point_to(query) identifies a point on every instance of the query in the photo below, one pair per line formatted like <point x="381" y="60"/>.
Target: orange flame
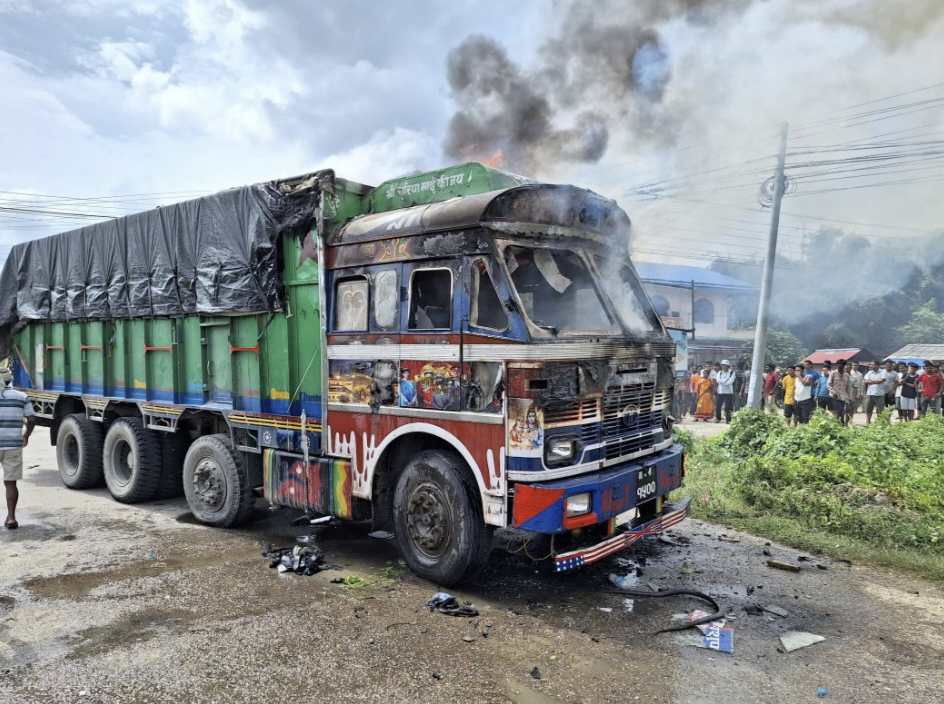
<point x="496" y="160"/>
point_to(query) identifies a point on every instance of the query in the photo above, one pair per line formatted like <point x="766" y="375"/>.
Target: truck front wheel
<point x="132" y="461"/>
<point x="216" y="483"/>
<point x="79" y="452"/>
<point x="439" y="527"/>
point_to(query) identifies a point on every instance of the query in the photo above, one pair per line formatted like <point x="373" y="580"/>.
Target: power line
<point x="869" y="185"/>
<point x="98" y="216"/>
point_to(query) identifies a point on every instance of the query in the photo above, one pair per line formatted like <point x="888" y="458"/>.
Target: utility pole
<point x="755" y="393"/>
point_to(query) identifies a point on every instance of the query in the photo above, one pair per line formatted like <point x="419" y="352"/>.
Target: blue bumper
<point x="539" y="506"/>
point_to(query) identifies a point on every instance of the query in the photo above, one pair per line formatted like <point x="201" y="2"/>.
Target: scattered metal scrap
<point x="447" y="604"/>
<point x="780" y="565"/>
<point x="794" y="640"/>
<point x="300" y="559"/>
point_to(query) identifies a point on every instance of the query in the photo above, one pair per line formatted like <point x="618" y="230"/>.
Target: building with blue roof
<point x="717" y="310"/>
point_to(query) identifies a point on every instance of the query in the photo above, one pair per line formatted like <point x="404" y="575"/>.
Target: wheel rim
<point x="123" y="461"/>
<point x="428" y="520"/>
<point x="209" y="484"/>
<point x="70" y="455"/>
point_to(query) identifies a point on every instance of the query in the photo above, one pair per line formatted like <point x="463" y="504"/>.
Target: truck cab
<point x="499" y="340"/>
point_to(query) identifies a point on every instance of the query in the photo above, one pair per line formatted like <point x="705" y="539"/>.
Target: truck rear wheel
<point x="79" y="452"/>
<point x="439" y="526"/>
<point x="132" y="461"/>
<point x="216" y="483"/>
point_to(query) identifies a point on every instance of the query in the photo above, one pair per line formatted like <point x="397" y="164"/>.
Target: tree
<point x="926" y="325"/>
<point x="783" y="348"/>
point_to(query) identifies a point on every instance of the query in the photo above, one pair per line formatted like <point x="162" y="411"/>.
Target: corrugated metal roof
<point x="832" y="355"/>
<point x="653" y="273"/>
<point x="920" y="351"/>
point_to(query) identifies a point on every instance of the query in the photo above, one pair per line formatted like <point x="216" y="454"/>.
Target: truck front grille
<point x="575" y="411"/>
<point x="630" y="414"/>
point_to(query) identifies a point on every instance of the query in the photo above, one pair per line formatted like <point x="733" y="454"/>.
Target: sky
<point x="123" y="105"/>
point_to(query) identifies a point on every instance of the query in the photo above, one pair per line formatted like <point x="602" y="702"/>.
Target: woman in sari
<point x="705" y="406"/>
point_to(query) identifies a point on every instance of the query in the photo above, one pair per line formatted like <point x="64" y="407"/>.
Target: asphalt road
<point x="102" y="602"/>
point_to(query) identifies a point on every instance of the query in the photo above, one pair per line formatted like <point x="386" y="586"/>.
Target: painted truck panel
<point x="258" y="363"/>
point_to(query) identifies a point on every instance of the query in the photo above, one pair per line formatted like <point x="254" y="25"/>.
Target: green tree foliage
<point x="783" y="348"/>
<point x="852" y="292"/>
<point x="926" y="325"/>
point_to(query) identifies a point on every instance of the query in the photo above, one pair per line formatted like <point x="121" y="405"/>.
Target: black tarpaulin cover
<point x="212" y="255"/>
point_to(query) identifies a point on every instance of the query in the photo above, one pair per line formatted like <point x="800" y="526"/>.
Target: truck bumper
<point x="673" y="514"/>
<point x="626" y="502"/>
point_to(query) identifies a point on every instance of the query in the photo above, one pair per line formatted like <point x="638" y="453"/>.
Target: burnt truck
<point x="443" y="355"/>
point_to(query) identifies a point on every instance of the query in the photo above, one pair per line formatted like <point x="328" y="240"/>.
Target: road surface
<point x="102" y="602"/>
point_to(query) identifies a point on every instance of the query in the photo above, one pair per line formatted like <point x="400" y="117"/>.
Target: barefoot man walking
<point x="15" y="407"/>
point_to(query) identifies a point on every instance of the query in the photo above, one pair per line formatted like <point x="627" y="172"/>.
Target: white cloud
<point x="387" y="154"/>
<point x="123" y="59"/>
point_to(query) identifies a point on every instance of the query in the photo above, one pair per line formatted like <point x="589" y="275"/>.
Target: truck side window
<point x="350" y="305"/>
<point x="431" y="299"/>
<point x="487" y="310"/>
<point x="386" y="298"/>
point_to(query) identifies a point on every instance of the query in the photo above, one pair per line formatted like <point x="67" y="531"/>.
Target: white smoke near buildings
<point x="674" y="108"/>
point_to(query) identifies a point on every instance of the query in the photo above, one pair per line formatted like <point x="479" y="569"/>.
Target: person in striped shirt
<point x="15" y="408"/>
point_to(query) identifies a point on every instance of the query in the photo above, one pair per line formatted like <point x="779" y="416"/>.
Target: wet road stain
<point x="6" y="604"/>
<point x="78" y="584"/>
<point x="134" y="628"/>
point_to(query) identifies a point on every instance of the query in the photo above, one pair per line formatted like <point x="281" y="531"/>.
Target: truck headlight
<point x="560" y="450"/>
<point x="577" y="504"/>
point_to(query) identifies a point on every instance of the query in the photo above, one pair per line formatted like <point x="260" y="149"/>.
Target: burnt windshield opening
<point x="557" y="291"/>
<point x="624" y="290"/>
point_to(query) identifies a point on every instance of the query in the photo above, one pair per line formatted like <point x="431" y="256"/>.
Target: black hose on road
<point x="645" y="594"/>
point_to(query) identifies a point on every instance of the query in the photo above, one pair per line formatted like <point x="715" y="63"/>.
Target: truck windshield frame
<point x="548" y="275"/>
<point x="622" y="287"/>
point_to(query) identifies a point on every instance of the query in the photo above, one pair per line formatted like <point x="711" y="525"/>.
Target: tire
<point x="438" y="520"/>
<point x="216" y="483"/>
<point x="79" y="452"/>
<point x="173" y="451"/>
<point x="131" y="461"/>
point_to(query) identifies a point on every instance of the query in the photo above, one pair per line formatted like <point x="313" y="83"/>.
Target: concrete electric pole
<point x="755" y="392"/>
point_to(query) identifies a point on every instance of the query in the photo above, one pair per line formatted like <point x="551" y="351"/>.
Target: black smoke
<point x="607" y="68"/>
<point x="506" y="115"/>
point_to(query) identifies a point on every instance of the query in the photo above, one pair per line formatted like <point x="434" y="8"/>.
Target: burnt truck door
<point x="490" y="309"/>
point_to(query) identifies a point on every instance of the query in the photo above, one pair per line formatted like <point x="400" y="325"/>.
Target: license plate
<point x="646" y="488"/>
<point x="625" y="517"/>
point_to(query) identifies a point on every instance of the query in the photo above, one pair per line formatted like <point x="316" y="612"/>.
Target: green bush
<point x="685" y="437"/>
<point x="750" y="430"/>
<point x="882" y="484"/>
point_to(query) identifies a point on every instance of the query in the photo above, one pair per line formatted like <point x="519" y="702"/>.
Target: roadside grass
<point x="869" y="495"/>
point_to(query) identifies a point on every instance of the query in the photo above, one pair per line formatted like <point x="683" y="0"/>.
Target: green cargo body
<point x="262" y="363"/>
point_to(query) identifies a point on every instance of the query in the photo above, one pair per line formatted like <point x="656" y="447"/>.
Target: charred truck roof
<point x="472" y="195"/>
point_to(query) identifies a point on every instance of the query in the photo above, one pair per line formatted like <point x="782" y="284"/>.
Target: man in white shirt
<point x="803" y="394"/>
<point x="876" y="380"/>
<point x="725" y="381"/>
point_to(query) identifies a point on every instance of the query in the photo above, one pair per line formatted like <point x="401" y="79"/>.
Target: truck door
<point x="363" y="349"/>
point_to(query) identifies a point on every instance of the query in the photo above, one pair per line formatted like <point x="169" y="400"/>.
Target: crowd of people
<point x="911" y="390"/>
<point x="712" y="392"/>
